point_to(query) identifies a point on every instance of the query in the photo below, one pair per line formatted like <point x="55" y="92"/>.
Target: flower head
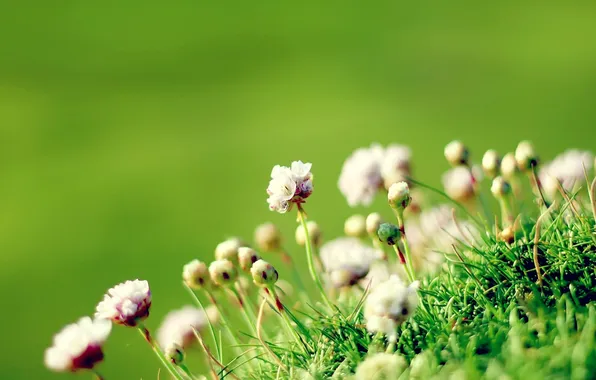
<point x="399" y="195"/>
<point x="355" y="226"/>
<point x="566" y="169"/>
<point x="459" y="183"/>
<point x="126" y="304"/>
<point x="500" y="187"/>
<point x="247" y="257"/>
<point x="456" y="153"/>
<point x="395" y="164"/>
<point x="314" y="232"/>
<point x="263" y="273"/>
<point x="175" y="354"/>
<point x="491" y="163"/>
<point x="389" y="304"/>
<point x="78" y="345"/>
<point x="289" y="185"/>
<point x="525" y="156"/>
<point x="268" y="237"/>
<point x="381" y="366"/>
<point x="178" y="325"/>
<point x="223" y="272"/>
<point x="347" y="260"/>
<point x="228" y="249"/>
<point x="196" y="274"/>
<point x="373" y="222"/>
<point x="360" y="177"/>
<point x="388" y="233"/>
<point x="509" y="166"/>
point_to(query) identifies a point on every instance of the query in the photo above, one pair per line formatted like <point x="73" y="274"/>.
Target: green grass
<point x="135" y="136"/>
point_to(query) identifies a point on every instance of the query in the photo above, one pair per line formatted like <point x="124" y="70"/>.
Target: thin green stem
<point x="158" y="352"/>
<point x="211" y="329"/>
<point x="282" y="312"/>
<point x="224" y="321"/>
<point x="310" y="259"/>
<point x="249" y="321"/>
<point x="401" y="258"/>
<point x="98" y="375"/>
<point x="185" y="369"/>
<point x="400" y="221"/>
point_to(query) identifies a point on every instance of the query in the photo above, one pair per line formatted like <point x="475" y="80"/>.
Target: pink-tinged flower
<point x="78" y="345"/>
<point x="360" y="177"/>
<point x="289" y="185"/>
<point x="568" y="169"/>
<point x="178" y="325"/>
<point x="460" y="183"/>
<point x="347" y="260"/>
<point x="126" y="304"/>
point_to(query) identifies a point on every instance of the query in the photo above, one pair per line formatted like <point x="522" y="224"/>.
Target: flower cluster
<point x="566" y="169"/>
<point x="289" y="185"/>
<point x="178" y="326"/>
<point x="347" y="260"/>
<point x="126" y="303"/>
<point x="369" y="169"/>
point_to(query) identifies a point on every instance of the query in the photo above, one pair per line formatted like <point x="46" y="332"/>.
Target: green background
<point x="136" y="135"/>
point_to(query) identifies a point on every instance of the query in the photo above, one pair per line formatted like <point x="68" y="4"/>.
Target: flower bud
<point x="456" y="153"/>
<point x="313" y="231"/>
<point x="373" y="222"/>
<point x="491" y="163"/>
<point x="508" y="166"/>
<point x="388" y="233"/>
<point x="195" y="274"/>
<point x="525" y="156"/>
<point x="175" y="354"/>
<point x="355" y="226"/>
<point x="246" y="257"/>
<point x="507" y="235"/>
<point x="223" y="272"/>
<point x="228" y="250"/>
<point x="399" y="195"/>
<point x="500" y="187"/>
<point x="268" y="237"/>
<point x="263" y="273"/>
<point x="212" y="314"/>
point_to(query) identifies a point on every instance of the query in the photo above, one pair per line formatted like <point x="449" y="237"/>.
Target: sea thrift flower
<point x="222" y="272"/>
<point x="509" y="166"/>
<point x="399" y="195"/>
<point x="196" y="274"/>
<point x="268" y="237"/>
<point x="177" y="326"/>
<point x="247" y="257"/>
<point x="355" y="226"/>
<point x="78" y="346"/>
<point x="491" y="163"/>
<point x="263" y="273"/>
<point x="289" y="186"/>
<point x="314" y="232"/>
<point x="360" y="177"/>
<point x="500" y="187"/>
<point x="388" y="233"/>
<point x="459" y="184"/>
<point x="395" y="165"/>
<point x="389" y="304"/>
<point x="525" y="156"/>
<point x="347" y="260"/>
<point x="126" y="304"/>
<point x="456" y="153"/>
<point x="381" y="366"/>
<point x="568" y="169"/>
<point x="228" y="250"/>
<point x="373" y="222"/>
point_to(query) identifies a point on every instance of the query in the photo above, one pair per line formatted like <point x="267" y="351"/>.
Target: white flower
<point x="388" y="305"/>
<point x="395" y="165"/>
<point x="360" y="177"/>
<point x="78" y="345"/>
<point x="289" y="185"/>
<point x="509" y="166"/>
<point x="347" y="260"/>
<point x="568" y="169"/>
<point x="459" y="183"/>
<point x="381" y="366"/>
<point x="355" y="226"/>
<point x="491" y="163"/>
<point x="268" y="237"/>
<point x="399" y="195"/>
<point x="126" y="303"/>
<point x="177" y="326"/>
<point x="456" y="153"/>
<point x="525" y="156"/>
<point x="228" y="250"/>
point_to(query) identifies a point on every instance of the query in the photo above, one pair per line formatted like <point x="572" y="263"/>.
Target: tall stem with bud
<point x="160" y="355"/>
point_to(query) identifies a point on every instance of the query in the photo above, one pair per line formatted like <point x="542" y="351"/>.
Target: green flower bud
<point x="223" y="272"/>
<point x="247" y="257"/>
<point x="175" y="354"/>
<point x="388" y="233"/>
<point x="263" y="273"/>
<point x="399" y="195"/>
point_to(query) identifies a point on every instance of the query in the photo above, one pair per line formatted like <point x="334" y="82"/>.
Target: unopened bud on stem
<point x="223" y="272"/>
<point x="263" y="273"/>
<point x="268" y="237"/>
<point x="247" y="257"/>
<point x="355" y="226"/>
<point x="314" y="232"/>
<point x="399" y="195"/>
<point x="456" y="153"/>
<point x="388" y="233"/>
<point x="491" y="163"/>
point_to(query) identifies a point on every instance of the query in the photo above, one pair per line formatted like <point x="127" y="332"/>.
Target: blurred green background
<point x="136" y="135"/>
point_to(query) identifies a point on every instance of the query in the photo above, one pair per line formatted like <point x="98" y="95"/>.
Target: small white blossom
<point x="388" y="305"/>
<point x="196" y="274"/>
<point x="78" y="345"/>
<point x="456" y="153"/>
<point x="381" y="366"/>
<point x="177" y="326"/>
<point x="360" y="177"/>
<point x="509" y="166"/>
<point x="228" y="249"/>
<point x="395" y="165"/>
<point x="373" y="221"/>
<point x="289" y="185"/>
<point x="568" y="169"/>
<point x="126" y="303"/>
<point x="500" y="187"/>
<point x="314" y="232"/>
<point x="399" y="195"/>
<point x="347" y="260"/>
<point x="459" y="183"/>
<point x="525" y="156"/>
<point x="491" y="163"/>
<point x="268" y="237"/>
<point x="355" y="226"/>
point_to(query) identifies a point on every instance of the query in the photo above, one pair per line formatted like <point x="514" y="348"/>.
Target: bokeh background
<point x="136" y="135"/>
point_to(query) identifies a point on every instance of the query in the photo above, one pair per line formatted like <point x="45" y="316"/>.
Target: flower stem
<point x="310" y="259"/>
<point x="166" y="363"/>
<point x="211" y="329"/>
<point x="249" y="321"/>
<point x="400" y="223"/>
<point x="98" y="375"/>
<point x="224" y="321"/>
<point x="282" y="312"/>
